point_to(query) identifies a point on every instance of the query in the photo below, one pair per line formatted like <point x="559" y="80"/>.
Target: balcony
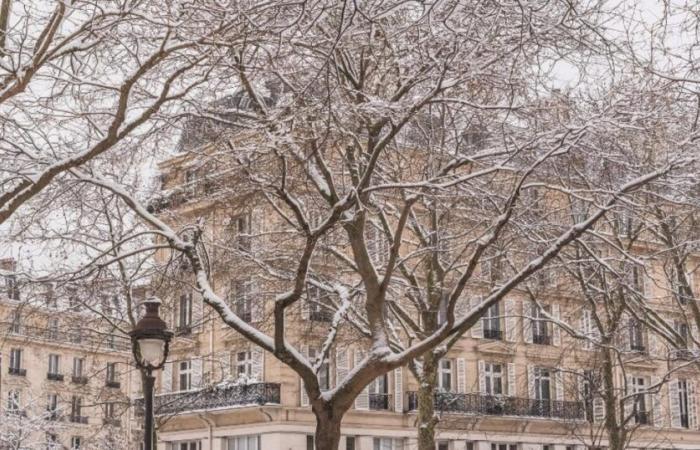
<point x="16" y="412"/>
<point x="685" y="354"/>
<point x="490" y="333"/>
<point x="638" y="348"/>
<point x="482" y="404"/>
<point x="79" y="419"/>
<point x="79" y="379"/>
<point x="542" y="339"/>
<point x="183" y="330"/>
<point x="87" y="338"/>
<point x="113" y="384"/>
<point x="215" y="398"/>
<point x="112" y="422"/>
<point x="53" y="415"/>
<point x="379" y="402"/>
<point x="17" y="371"/>
<point x="54" y="376"/>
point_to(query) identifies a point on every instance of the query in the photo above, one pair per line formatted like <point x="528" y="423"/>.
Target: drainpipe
<point x="210" y="426"/>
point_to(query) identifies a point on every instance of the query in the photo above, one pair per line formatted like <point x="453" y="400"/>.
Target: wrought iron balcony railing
<point x="214" y="398"/>
<point x="490" y="333"/>
<point x="54" y="376"/>
<point x="379" y="402"/>
<point x="685" y="354"/>
<point x="642" y="418"/>
<point x="113" y="384"/>
<point x="84" y="337"/>
<point x="79" y="379"/>
<point x="17" y="371"/>
<point x="447" y="402"/>
<point x="79" y="419"/>
<point x="542" y="339"/>
<point x="112" y="422"/>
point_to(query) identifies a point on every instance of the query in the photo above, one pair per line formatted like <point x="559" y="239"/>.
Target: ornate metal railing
<point x="379" y="402"/>
<point x="214" y="398"/>
<point x="447" y="402"/>
<point x="82" y="337"/>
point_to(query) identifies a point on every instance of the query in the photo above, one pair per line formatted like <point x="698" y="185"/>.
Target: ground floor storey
<point x="240" y="431"/>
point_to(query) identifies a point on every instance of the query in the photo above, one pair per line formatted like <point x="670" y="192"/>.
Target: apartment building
<point x="515" y="381"/>
<point x="65" y="372"/>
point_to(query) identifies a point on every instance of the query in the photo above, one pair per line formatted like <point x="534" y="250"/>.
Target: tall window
<point x="636" y="335"/>
<point x="241" y="232"/>
<point x="52" y="405"/>
<point x="12" y="287"/>
<point x="185" y="313"/>
<point x="75" y="443"/>
<point x="185" y="375"/>
<point x="491" y="323"/>
<point x="52" y="442"/>
<point x="540" y="329"/>
<point x="16" y="324"/>
<point x="378" y="393"/>
<point x="504" y="446"/>
<point x="189" y="445"/>
<point x="15" y="360"/>
<point x="683" y="403"/>
<point x="543" y="391"/>
<point x="243" y="364"/>
<point x="320" y="305"/>
<point x="13" y="400"/>
<point x="242" y="299"/>
<point x="54" y="361"/>
<point x="78" y="364"/>
<point x="52" y="328"/>
<point x="445" y="375"/>
<point x="493" y="378"/>
<point x="76" y="408"/>
<point x="109" y="410"/>
<point x="324" y="372"/>
<point x="248" y="442"/>
<point x="111" y="373"/>
<point x="640" y="408"/>
<point x="383" y="444"/>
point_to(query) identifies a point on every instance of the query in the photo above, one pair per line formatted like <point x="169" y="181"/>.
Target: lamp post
<point x="150" y="342"/>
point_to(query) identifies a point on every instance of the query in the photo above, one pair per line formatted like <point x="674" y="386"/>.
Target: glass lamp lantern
<point x="150" y="337"/>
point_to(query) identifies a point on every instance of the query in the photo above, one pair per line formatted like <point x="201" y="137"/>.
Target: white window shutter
<point x="674" y="405"/>
<point x="692" y="406"/>
<point x="342" y="365"/>
<point x="559" y="386"/>
<point x="477" y="329"/>
<point x="461" y="375"/>
<point x="510" y="320"/>
<point x="556" y="331"/>
<point x="303" y="396"/>
<point x="166" y="381"/>
<point x="511" y="380"/>
<point x="196" y="373"/>
<point x="257" y="356"/>
<point x="482" y="376"/>
<point x="657" y="414"/>
<point x="362" y="400"/>
<point x="398" y="390"/>
<point x="528" y="312"/>
<point x="598" y="409"/>
<point x="629" y="401"/>
<point x="531" y="381"/>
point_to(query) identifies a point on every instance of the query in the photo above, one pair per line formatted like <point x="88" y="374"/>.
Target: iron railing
<point x="490" y="333"/>
<point x="542" y="339"/>
<point x="448" y="402"/>
<point x="54" y="376"/>
<point x="113" y="384"/>
<point x="214" y="398"/>
<point x="79" y="379"/>
<point x="79" y="419"/>
<point x="81" y="337"/>
<point x="17" y="371"/>
<point x="379" y="402"/>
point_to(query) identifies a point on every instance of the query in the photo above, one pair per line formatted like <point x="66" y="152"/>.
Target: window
<point x="504" y="446"/>
<point x="15" y="360"/>
<point x="445" y="375"/>
<point x="52" y="406"/>
<point x="639" y="410"/>
<point x="77" y="335"/>
<point x="249" y="442"/>
<point x="184" y="323"/>
<point x="240" y="226"/>
<point x="52" y="328"/>
<point x="320" y="305"/>
<point x="540" y="329"/>
<point x="350" y="443"/>
<point x="243" y="364"/>
<point x="12" y="287"/>
<point x="185" y="375"/>
<point x="636" y="336"/>
<point x="78" y="364"/>
<point x="383" y="444"/>
<point x="310" y="442"/>
<point x="13" y="400"/>
<point x="379" y="393"/>
<point x="443" y="445"/>
<point x="491" y="323"/>
<point x="109" y="410"/>
<point x="111" y="374"/>
<point x="75" y="442"/>
<point x="683" y="403"/>
<point x="241" y="299"/>
<point x="76" y="408"/>
<point x="53" y="364"/>
<point x="493" y="378"/>
<point x="323" y="372"/>
<point x="52" y="442"/>
<point x="16" y="324"/>
<point x="188" y="445"/>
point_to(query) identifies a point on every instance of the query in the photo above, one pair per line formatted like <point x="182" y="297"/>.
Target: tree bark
<point x="427" y="420"/>
<point x="327" y="435"/>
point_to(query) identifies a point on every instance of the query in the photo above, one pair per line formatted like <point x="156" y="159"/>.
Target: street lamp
<point x="150" y="342"/>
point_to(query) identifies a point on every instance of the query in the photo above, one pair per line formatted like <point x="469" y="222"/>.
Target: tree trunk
<point x="327" y="428"/>
<point x="427" y="420"/>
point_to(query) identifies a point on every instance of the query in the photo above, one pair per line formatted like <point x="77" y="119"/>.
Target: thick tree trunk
<point x="327" y="428"/>
<point x="427" y="420"/>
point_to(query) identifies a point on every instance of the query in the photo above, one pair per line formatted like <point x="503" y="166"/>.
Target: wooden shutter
<point x="257" y="356"/>
<point x="303" y="396"/>
<point x="528" y="313"/>
<point x="657" y="414"/>
<point x="166" y="381"/>
<point x="398" y="390"/>
<point x="461" y="375"/>
<point x="362" y="400"/>
<point x="674" y="404"/>
<point x="511" y="380"/>
<point x="510" y="320"/>
<point x="556" y="331"/>
<point x="477" y="329"/>
<point x="482" y="376"/>
<point x="342" y="365"/>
